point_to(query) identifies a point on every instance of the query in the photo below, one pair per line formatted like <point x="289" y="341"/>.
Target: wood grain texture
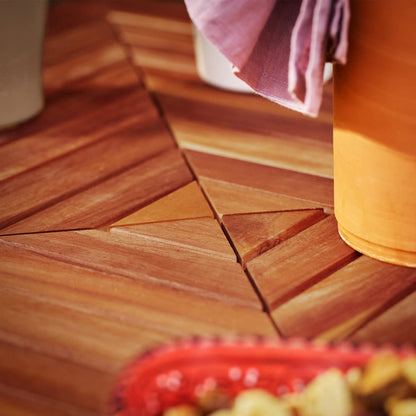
<point x="300" y="262"/>
<point x="275" y="137"/>
<point x="53" y="142"/>
<point x="307" y="188"/>
<point x="346" y="300"/>
<point x="186" y="202"/>
<point x="139" y="258"/>
<point x="201" y="234"/>
<point x="23" y="195"/>
<point x="229" y="199"/>
<point x="110" y="199"/>
<point x="128" y="122"/>
<point x="253" y="234"/>
<point x="142" y="303"/>
<point x="17" y="402"/>
<point x="396" y="325"/>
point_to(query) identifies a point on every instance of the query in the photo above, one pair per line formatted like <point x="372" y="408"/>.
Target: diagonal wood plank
<point x="185" y="202"/>
<point x="103" y="343"/>
<point x="268" y="139"/>
<point x="18" y="402"/>
<point x="94" y="124"/>
<point x="30" y="370"/>
<point x="228" y="198"/>
<point x="201" y="234"/>
<point x="111" y="199"/>
<point x="23" y="195"/>
<point x="297" y="185"/>
<point x="165" y="309"/>
<point x="397" y="325"/>
<point x="253" y="234"/>
<point x="344" y="301"/>
<point x="140" y="258"/>
<point x="294" y="265"/>
<point x="78" y="99"/>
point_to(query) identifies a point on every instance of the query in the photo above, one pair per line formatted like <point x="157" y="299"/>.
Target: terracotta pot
<point x="22" y="24"/>
<point x="375" y="132"/>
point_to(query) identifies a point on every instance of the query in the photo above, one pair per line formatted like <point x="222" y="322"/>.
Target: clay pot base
<point x="382" y="253"/>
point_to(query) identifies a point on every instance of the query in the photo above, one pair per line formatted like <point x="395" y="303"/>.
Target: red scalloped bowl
<point x="177" y="373"/>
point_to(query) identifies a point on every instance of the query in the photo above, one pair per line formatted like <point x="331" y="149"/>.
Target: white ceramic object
<point x="22" y="24"/>
<point x="214" y="68"/>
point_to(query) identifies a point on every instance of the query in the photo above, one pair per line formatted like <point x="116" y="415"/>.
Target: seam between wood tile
<point x="384" y="308"/>
<point x="76" y="191"/>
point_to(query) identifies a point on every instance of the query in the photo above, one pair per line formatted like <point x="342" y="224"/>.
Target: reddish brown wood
<point x="23" y="195"/>
<point x="253" y="234"/>
<point x="143" y="259"/>
<point x="397" y="325"/>
<point x="112" y="198"/>
<point x="307" y="188"/>
<point x="300" y="262"/>
<point x="200" y="234"/>
<point x="344" y="301"/>
<point x="186" y="202"/>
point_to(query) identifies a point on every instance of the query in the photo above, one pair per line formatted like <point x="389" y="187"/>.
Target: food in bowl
<point x="261" y="378"/>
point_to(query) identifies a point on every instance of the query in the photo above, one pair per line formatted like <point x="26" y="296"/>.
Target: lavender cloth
<point x="278" y="47"/>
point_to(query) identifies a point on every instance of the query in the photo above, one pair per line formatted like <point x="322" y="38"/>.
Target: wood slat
<point x="228" y="198"/>
<point x="23" y="195"/>
<point x="26" y="369"/>
<point x="397" y="325"/>
<point x="166" y="309"/>
<point x="201" y="234"/>
<point x="31" y="151"/>
<point x="186" y="202"/>
<point x="344" y="301"/>
<point x="81" y="97"/>
<point x="300" y="262"/>
<point x="140" y="258"/>
<point x="297" y="185"/>
<point x="111" y="199"/>
<point x="253" y="234"/>
<point x="15" y="402"/>
<point x="83" y="337"/>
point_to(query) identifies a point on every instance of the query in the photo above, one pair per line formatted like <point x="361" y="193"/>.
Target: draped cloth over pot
<point x="278" y="47"/>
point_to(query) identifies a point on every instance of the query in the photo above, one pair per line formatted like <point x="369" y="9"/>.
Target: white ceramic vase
<point x="22" y="24"/>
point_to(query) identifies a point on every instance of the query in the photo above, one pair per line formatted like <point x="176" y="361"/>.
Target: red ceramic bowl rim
<point x="307" y="346"/>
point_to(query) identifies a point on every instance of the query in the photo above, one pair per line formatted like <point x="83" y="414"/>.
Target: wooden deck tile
<point x="344" y="301"/>
<point x="186" y="202"/>
<point x="228" y="198"/>
<point x="106" y="120"/>
<point x="139" y="258"/>
<point x="253" y="234"/>
<point x="307" y="188"/>
<point x="300" y="262"/>
<point x="201" y="234"/>
<point x="79" y="52"/>
<point x="112" y="198"/>
<point x="397" y="325"/>
<point x="145" y="304"/>
<point x="59" y="380"/>
<point x="23" y="195"/>
<point x="18" y="402"/>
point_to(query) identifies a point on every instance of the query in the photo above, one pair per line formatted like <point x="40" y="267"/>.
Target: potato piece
<point x="405" y="407"/>
<point x="214" y="400"/>
<point x="257" y="402"/>
<point x="224" y="412"/>
<point x="382" y="371"/>
<point x="183" y="410"/>
<point x="327" y="395"/>
<point x="409" y="370"/>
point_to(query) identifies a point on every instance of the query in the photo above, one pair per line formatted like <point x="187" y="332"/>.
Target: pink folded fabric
<point x="278" y="47"/>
